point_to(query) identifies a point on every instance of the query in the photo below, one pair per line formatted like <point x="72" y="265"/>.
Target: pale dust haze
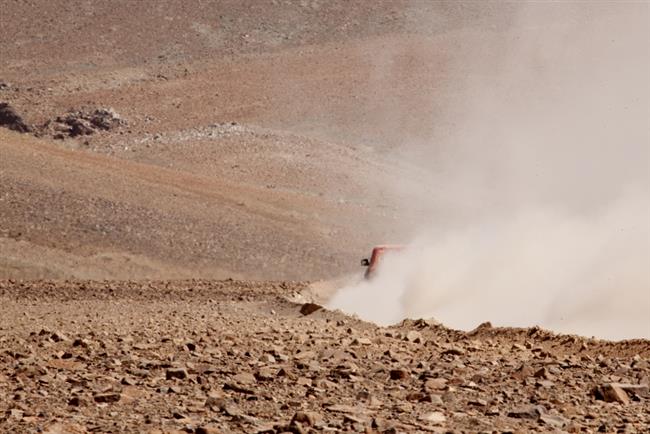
<point x="539" y="194"/>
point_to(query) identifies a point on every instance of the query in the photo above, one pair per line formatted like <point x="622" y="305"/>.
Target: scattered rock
<point x="82" y="123"/>
<point x="75" y="401"/>
<point x="64" y="428"/>
<point x="9" y="118"/>
<point x="207" y="429"/>
<point x="414" y="336"/>
<point x="306" y="418"/>
<point x="611" y="392"/>
<point x="180" y="373"/>
<point x="236" y="387"/>
<point x="416" y="396"/>
<point x="434" y="384"/>
<point x="245" y="378"/>
<point x="524" y="371"/>
<point x="554" y="421"/>
<point x="107" y="397"/>
<point x="309" y="308"/>
<point x="453" y="351"/>
<point x="105" y="118"/>
<point x="532" y="412"/>
<point x="80" y="127"/>
<point x="117" y="375"/>
<point x="304" y="355"/>
<point x="266" y="374"/>
<point x="480" y="328"/>
<point x="434" y="417"/>
<point x="638" y="390"/>
<point x="398" y="374"/>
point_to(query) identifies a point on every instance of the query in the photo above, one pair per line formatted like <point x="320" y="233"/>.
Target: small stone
<point x="356" y="419"/>
<point x="414" y="336"/>
<point x="64" y="428"/>
<point x="532" y="412"/>
<point x="432" y="384"/>
<point x="361" y="341"/>
<point x="641" y="390"/>
<point x="545" y="384"/>
<point x="348" y="409"/>
<point x="105" y="118"/>
<point x="524" y="371"/>
<point x="75" y="401"/>
<point x="305" y="355"/>
<point x="542" y="373"/>
<point x="304" y="381"/>
<point x="480" y="328"/>
<point x="309" y="308"/>
<point x="239" y="388"/>
<point x="382" y="425"/>
<point x="180" y="373"/>
<point x="416" y="396"/>
<point x="215" y="401"/>
<point x="433" y="398"/>
<point x="207" y="430"/>
<point x="434" y="417"/>
<point x="80" y="127"/>
<point x="107" y="397"/>
<point x="126" y="381"/>
<point x="58" y="337"/>
<point x="554" y="421"/>
<point x="266" y="374"/>
<point x="305" y="418"/>
<point x="245" y="378"/>
<point x="611" y="392"/>
<point x="80" y="343"/>
<point x="398" y="374"/>
<point x="178" y="414"/>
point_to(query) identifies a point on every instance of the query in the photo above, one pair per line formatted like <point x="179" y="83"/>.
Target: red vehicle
<point x="375" y="259"/>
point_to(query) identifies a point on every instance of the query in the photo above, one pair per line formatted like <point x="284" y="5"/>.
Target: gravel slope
<point x="236" y="356"/>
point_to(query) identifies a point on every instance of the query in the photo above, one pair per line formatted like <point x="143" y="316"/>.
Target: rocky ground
<point x="234" y="356"/>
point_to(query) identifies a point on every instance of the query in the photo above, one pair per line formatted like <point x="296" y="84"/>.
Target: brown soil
<point x="183" y="356"/>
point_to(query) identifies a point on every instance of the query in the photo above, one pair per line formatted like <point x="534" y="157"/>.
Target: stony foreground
<point x="229" y="356"/>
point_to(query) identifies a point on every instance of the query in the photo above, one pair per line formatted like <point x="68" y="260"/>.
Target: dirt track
<point x="239" y="357"/>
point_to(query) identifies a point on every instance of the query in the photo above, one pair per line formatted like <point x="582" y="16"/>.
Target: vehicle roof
<point x="389" y="246"/>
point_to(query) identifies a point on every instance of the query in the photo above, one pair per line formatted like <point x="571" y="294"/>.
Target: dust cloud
<point x="540" y="191"/>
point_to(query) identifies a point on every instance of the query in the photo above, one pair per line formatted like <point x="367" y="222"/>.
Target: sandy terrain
<point x="151" y="152"/>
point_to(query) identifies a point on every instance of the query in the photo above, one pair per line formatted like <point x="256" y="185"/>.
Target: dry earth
<point x="250" y="140"/>
<point x="229" y="356"/>
<point x="262" y="133"/>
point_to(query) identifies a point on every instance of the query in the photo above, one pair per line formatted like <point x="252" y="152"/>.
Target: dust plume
<point x="539" y="210"/>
